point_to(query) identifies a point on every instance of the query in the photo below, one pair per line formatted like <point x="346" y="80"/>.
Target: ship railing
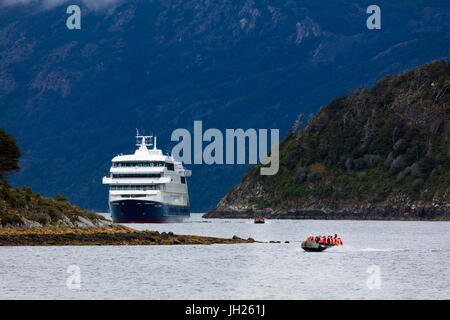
<point x="187" y="173"/>
<point x="119" y="181"/>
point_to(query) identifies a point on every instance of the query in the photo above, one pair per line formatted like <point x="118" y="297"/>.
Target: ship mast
<point x="145" y="140"/>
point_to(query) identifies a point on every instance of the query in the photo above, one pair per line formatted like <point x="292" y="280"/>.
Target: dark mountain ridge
<point x="73" y="98"/>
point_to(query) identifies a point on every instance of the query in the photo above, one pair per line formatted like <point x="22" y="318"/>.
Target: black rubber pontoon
<point x="314" y="246"/>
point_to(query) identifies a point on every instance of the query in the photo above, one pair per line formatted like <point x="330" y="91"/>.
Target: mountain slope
<point x="382" y="152"/>
<point x="23" y="209"/>
<point x="73" y="98"/>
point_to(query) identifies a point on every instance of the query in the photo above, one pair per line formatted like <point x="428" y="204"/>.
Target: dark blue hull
<point x="138" y="211"/>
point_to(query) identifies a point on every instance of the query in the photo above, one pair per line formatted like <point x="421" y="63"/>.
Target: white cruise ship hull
<point x="145" y="211"/>
<point x="147" y="186"/>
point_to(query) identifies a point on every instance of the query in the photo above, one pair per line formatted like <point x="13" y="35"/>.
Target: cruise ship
<point x="147" y="186"/>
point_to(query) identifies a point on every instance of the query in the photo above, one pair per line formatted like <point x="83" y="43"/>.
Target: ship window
<point x="135" y="187"/>
<point x="131" y="175"/>
<point x="183" y="180"/>
<point x="170" y="166"/>
<point x="139" y="164"/>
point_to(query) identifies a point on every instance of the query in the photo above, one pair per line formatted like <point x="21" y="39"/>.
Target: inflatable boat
<point x="320" y="243"/>
<point x="259" y="220"/>
<point x="314" y="246"/>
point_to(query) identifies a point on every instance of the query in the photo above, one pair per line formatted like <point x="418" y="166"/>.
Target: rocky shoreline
<point x="105" y="236"/>
<point x="336" y="211"/>
<point x="320" y="215"/>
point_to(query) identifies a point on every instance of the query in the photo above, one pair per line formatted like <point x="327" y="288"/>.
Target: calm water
<point x="405" y="260"/>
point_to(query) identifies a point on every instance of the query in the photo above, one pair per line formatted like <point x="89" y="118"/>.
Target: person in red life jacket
<point x="337" y="240"/>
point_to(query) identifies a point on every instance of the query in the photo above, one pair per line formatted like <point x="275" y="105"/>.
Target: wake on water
<point x="350" y="248"/>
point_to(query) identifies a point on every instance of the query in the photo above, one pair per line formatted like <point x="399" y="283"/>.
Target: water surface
<point x="405" y="260"/>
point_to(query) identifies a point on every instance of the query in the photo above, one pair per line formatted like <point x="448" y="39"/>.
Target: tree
<point x="9" y="155"/>
<point x="59" y="197"/>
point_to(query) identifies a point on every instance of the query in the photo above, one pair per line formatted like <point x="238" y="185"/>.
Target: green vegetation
<point x="19" y="204"/>
<point x="22" y="207"/>
<point x="9" y="155"/>
<point x="371" y="146"/>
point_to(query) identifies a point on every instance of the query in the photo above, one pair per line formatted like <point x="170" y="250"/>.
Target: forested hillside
<point x="73" y="98"/>
<point x="382" y="152"/>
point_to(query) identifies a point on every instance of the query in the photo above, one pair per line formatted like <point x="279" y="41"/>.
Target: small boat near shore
<point x="259" y="220"/>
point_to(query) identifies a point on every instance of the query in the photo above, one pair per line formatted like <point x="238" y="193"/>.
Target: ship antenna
<point x="154" y="143"/>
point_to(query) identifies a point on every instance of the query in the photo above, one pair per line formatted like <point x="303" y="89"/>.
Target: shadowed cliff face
<point x="380" y="153"/>
<point x="73" y="98"/>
